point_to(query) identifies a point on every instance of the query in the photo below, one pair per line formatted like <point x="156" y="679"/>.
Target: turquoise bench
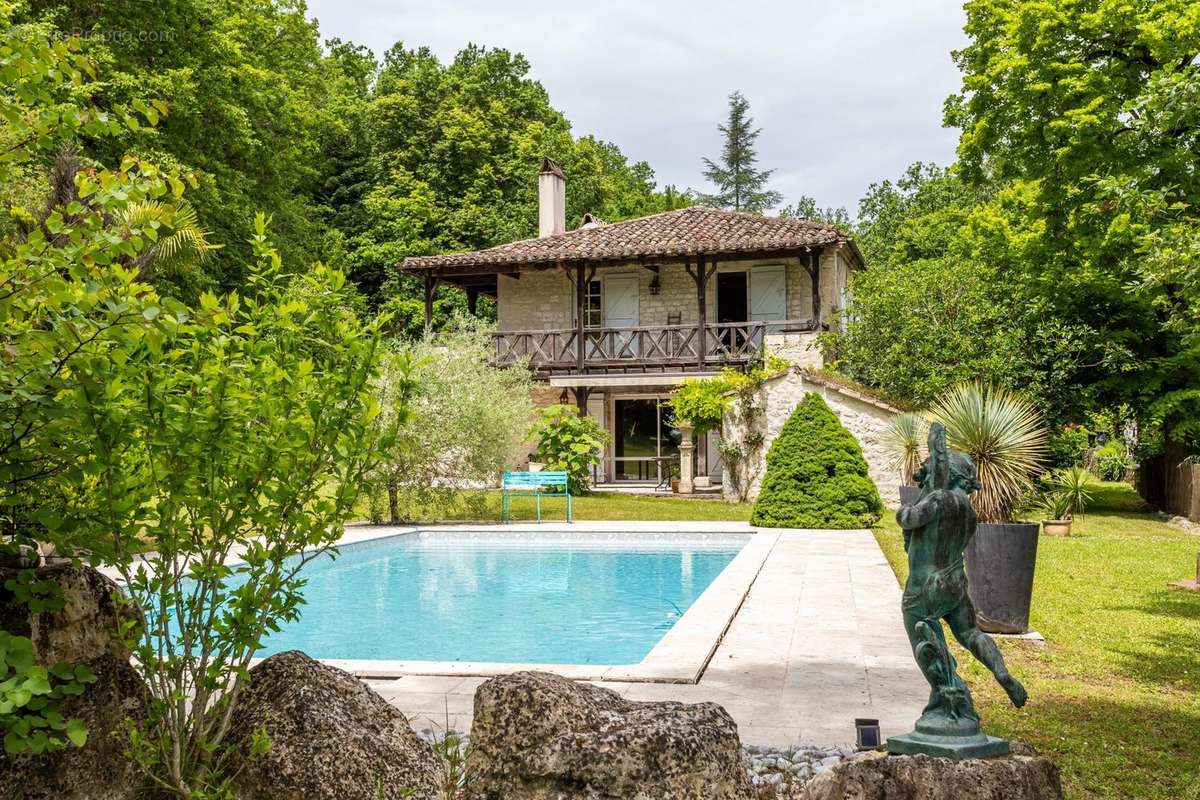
<point x="533" y="484"/>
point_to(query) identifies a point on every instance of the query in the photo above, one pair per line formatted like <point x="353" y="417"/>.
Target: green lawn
<point x="1115" y="694"/>
<point x="599" y="506"/>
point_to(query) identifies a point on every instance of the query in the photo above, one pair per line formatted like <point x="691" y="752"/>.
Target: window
<point x="593" y="308"/>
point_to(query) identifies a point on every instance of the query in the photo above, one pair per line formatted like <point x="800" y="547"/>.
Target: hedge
<point x="816" y="475"/>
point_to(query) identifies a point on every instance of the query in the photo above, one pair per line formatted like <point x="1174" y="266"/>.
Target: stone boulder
<point x="538" y="736"/>
<point x="879" y="776"/>
<point x="100" y="768"/>
<point x="332" y="738"/>
<point x="81" y="632"/>
<point x="83" y="629"/>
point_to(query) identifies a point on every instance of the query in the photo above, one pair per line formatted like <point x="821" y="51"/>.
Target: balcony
<point x="647" y="349"/>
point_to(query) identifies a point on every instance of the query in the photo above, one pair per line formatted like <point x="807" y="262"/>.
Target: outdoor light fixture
<point x="866" y="733"/>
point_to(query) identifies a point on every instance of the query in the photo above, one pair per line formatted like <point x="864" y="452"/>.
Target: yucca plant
<point x="1055" y="505"/>
<point x="902" y="441"/>
<point x="1076" y="485"/>
<point x="1003" y="434"/>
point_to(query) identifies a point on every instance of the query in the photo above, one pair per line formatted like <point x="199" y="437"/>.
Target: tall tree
<point x="248" y="95"/>
<point x="740" y="185"/>
<point x="806" y="208"/>
<point x="946" y="297"/>
<point x="1092" y="104"/>
<point x="454" y="150"/>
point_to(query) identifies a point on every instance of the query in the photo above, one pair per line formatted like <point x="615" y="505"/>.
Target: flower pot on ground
<point x="1056" y="508"/>
<point x="1004" y="436"/>
<point x="1069" y="494"/>
<point x="1056" y="527"/>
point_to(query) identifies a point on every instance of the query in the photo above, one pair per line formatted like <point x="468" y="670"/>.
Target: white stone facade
<point x="545" y="299"/>
<point x="865" y="418"/>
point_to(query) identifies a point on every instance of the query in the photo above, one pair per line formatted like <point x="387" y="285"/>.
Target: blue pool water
<point x="452" y="597"/>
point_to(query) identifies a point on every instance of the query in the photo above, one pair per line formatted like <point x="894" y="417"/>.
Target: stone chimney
<point x="552" y="199"/>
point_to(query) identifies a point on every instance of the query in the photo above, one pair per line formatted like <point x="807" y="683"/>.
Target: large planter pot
<point x="1000" y="563"/>
<point x="909" y="495"/>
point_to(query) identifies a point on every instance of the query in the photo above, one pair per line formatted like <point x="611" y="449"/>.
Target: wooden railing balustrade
<point x="639" y="349"/>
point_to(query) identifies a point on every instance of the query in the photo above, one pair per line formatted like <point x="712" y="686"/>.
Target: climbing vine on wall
<point x="730" y="403"/>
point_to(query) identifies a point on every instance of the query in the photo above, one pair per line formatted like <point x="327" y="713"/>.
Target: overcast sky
<point x="846" y="91"/>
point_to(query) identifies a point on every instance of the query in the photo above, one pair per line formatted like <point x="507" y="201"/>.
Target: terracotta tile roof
<point x="684" y="232"/>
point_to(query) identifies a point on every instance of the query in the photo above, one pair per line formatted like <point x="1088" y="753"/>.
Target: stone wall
<point x="798" y="348"/>
<point x="865" y="418"/>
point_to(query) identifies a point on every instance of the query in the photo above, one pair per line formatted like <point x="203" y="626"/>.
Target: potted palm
<point x="1056" y="514"/>
<point x="1069" y="493"/>
<point x="1004" y="435"/>
<point x="902" y="440"/>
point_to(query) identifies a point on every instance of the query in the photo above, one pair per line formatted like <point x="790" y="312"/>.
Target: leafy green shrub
<point x="1112" y="460"/>
<point x="70" y="249"/>
<point x="242" y="426"/>
<point x="701" y="403"/>
<point x="816" y="475"/>
<point x="1067" y="445"/>
<point x="569" y="442"/>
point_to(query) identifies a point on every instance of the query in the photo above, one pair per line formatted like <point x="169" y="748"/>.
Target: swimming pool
<point x="599" y="599"/>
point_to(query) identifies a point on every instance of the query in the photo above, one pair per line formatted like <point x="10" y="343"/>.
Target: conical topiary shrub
<point x="816" y="475"/>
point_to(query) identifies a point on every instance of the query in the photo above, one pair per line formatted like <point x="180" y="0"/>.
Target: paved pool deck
<point x="816" y="643"/>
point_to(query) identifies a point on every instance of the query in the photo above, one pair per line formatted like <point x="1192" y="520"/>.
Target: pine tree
<point x="739" y="185"/>
<point x="816" y="475"/>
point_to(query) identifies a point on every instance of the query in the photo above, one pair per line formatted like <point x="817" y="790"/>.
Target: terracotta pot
<point x="1000" y="561"/>
<point x="675" y="485"/>
<point x="1056" y="527"/>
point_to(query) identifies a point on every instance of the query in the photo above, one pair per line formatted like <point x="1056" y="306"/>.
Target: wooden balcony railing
<point x="639" y="349"/>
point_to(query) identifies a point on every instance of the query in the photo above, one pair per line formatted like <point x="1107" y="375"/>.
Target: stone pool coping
<point x="681" y="656"/>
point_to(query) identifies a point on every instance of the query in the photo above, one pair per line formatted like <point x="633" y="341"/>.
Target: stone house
<point x="612" y="317"/>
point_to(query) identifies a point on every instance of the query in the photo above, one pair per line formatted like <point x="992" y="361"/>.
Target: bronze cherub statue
<point x="937" y="529"/>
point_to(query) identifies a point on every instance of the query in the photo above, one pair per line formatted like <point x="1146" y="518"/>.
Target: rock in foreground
<point x="538" y="736"/>
<point x="83" y="629"/>
<point x="332" y="738"/>
<point x="100" y="768"/>
<point x="878" y="776"/>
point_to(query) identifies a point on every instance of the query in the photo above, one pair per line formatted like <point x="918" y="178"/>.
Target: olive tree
<point x="459" y="422"/>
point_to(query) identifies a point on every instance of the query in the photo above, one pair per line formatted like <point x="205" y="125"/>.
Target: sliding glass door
<point x="646" y="446"/>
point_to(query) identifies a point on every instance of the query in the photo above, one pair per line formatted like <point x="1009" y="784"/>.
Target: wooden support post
<point x="430" y="288"/>
<point x="814" y="274"/>
<point x="701" y="275"/>
<point x="472" y="301"/>
<point x="581" y="398"/>
<point x="580" y="291"/>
